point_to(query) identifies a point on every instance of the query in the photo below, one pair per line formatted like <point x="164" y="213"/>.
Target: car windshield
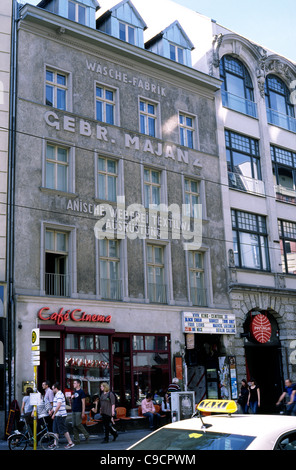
<point x="187" y="439"/>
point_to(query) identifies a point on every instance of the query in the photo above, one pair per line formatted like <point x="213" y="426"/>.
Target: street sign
<point x="35" y="337"/>
<point x="35" y="347"/>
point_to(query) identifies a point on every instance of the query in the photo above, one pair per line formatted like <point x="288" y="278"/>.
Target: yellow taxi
<point x="217" y="426"/>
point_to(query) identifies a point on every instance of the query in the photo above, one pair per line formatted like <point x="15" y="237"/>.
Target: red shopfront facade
<point x="77" y="345"/>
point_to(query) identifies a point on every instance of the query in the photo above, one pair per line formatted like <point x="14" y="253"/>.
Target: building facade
<point x="119" y="228"/>
<point x="154" y="202"/>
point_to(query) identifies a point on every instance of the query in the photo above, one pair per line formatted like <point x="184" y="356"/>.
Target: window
<point x="196" y="278"/>
<point x="87" y="357"/>
<point x="105" y="104"/>
<point x="243" y="162"/>
<point x="186" y="125"/>
<point x="250" y="240"/>
<point x="155" y="268"/>
<point x="57" y="167"/>
<point x="107" y="179"/>
<point x="176" y="53"/>
<point x="191" y="197"/>
<point x="287" y="231"/>
<point x="126" y="33"/>
<point x="56" y="263"/>
<point x="56" y="89"/>
<point x="237" y="87"/>
<point x="110" y="283"/>
<point x="76" y="12"/>
<point x="148" y="118"/>
<point x="280" y="110"/>
<point x="151" y="187"/>
<point x="284" y="171"/>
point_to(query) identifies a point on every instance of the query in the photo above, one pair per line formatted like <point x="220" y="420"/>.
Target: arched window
<point x="280" y="110"/>
<point x="237" y="87"/>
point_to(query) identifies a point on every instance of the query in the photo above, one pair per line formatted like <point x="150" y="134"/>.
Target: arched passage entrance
<point x="263" y="356"/>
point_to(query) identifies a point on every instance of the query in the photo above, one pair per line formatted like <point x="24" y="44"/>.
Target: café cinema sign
<point x="87" y="129"/>
<point x="77" y="315"/>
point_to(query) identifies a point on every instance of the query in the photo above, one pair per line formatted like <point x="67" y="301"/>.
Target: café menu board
<point x="215" y="323"/>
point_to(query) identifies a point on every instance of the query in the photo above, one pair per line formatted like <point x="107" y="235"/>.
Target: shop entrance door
<point x="264" y="365"/>
<point x="122" y="370"/>
<point x="49" y="368"/>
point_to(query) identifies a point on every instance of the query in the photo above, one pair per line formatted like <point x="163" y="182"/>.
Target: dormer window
<point x="126" y="33"/>
<point x="76" y="12"/>
<point x="177" y="53"/>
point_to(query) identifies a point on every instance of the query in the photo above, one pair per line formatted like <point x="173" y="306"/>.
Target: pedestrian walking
<point x="254" y="397"/>
<point x="290" y="389"/>
<point x="107" y="410"/>
<point x="243" y="396"/>
<point x="78" y="412"/>
<point x="59" y="415"/>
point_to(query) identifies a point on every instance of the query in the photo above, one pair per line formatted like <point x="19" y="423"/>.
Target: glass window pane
<point x="111" y="188"/>
<point x="49" y="240"/>
<point x="99" y="111"/>
<point x="49" y="95"/>
<point x="150" y="342"/>
<point x="235" y="85"/>
<point x="101" y="342"/>
<point x="151" y="108"/>
<point x="155" y="177"/>
<point x="155" y="195"/>
<point x="71" y="341"/>
<point x="81" y="14"/>
<point x="50" y="180"/>
<point x="61" y="242"/>
<point x="61" y="79"/>
<point x="49" y="76"/>
<point x="111" y="166"/>
<point x="62" y="155"/>
<point x="131" y="35"/>
<point x="61" y="99"/>
<point x="138" y="343"/>
<point x="109" y="114"/>
<point x="172" y="52"/>
<point x="62" y="177"/>
<point x="122" y="31"/>
<point x="109" y="95"/>
<point x="103" y="247"/>
<point x="99" y="92"/>
<point x="102" y="186"/>
<point x="180" y="55"/>
<point x="71" y="11"/>
<point x="101" y="164"/>
<point x="142" y="124"/>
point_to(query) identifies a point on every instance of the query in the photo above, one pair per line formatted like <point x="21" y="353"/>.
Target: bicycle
<point x="20" y="440"/>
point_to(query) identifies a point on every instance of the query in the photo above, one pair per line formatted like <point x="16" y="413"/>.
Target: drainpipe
<point x="10" y="318"/>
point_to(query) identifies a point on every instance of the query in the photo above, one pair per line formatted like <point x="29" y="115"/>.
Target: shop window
<point x="150" y="364"/>
<point x="87" y="358"/>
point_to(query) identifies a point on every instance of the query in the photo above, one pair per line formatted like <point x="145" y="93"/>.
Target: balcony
<point x="57" y="284"/>
<point x="198" y="296"/>
<point x="111" y="289"/>
<point x="157" y="293"/>
<point x="285" y="194"/>
<point x="281" y="120"/>
<point x="237" y="103"/>
<point x="244" y="183"/>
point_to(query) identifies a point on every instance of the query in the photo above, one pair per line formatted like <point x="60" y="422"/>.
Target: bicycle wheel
<point x="17" y="442"/>
<point x="48" y="441"/>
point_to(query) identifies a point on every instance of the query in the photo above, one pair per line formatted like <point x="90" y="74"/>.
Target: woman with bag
<point x="107" y="410"/>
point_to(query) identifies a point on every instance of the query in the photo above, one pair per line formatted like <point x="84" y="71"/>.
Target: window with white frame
<point x="57" y="167"/>
<point x="186" y="126"/>
<point x="152" y="187"/>
<point x="76" y="12"/>
<point x="157" y="291"/>
<point x="107" y="176"/>
<point x="176" y="53"/>
<point x="191" y="197"/>
<point x="148" y="118"/>
<point x="110" y="283"/>
<point x="196" y="278"/>
<point x="105" y="104"/>
<point x="56" y="89"/>
<point x="126" y="32"/>
<point x="56" y="263"/>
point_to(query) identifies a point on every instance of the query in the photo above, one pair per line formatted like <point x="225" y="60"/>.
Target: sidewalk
<point x="124" y="440"/>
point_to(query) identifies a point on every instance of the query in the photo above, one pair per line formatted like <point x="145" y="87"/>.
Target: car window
<point x="287" y="442"/>
<point x="185" y="439"/>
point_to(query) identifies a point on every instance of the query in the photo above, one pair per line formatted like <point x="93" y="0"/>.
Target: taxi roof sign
<point x="217" y="406"/>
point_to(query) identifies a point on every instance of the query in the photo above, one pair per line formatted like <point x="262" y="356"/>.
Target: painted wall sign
<point x="214" y="323"/>
<point x="76" y="315"/>
<point x="261" y="328"/>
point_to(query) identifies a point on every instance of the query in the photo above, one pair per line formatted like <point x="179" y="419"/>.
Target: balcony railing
<point x="281" y="120"/>
<point x="111" y="289"/>
<point x="198" y="296"/>
<point x="244" y="183"/>
<point x="57" y="284"/>
<point x="157" y="293"/>
<point x="237" y="103"/>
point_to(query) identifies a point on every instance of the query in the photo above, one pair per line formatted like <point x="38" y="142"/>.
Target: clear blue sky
<point x="270" y="23"/>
